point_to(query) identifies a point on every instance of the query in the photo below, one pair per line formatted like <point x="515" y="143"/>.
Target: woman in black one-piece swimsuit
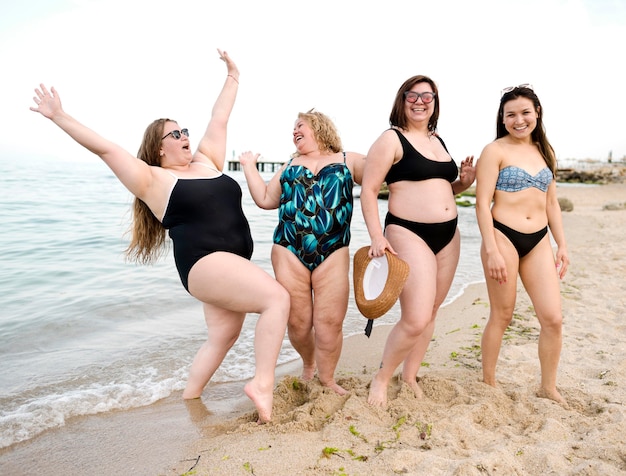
<point x="188" y="194"/>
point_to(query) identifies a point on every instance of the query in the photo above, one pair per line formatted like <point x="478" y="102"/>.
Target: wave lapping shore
<point x="462" y="427"/>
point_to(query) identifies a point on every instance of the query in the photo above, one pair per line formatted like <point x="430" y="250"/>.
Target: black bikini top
<point x="413" y="166"/>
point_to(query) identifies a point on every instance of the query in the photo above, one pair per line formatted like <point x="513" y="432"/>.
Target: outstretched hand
<point x="48" y="102"/>
<point x="230" y="64"/>
<point x="248" y="158"/>
<point x="468" y="171"/>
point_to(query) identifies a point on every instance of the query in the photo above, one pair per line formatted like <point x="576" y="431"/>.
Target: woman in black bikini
<point x="515" y="172"/>
<point x="420" y="227"/>
<point x="188" y="194"/>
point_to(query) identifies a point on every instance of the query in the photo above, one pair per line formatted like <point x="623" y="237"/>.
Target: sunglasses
<point x="511" y="88"/>
<point x="177" y="134"/>
<point x="412" y="96"/>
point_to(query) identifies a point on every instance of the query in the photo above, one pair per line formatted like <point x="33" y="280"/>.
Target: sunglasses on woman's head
<point x="177" y="134"/>
<point x="511" y="88"/>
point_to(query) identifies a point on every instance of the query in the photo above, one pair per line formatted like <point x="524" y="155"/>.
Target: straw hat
<point x="378" y="282"/>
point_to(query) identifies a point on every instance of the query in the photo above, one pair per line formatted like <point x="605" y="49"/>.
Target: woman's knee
<point x="414" y="327"/>
<point x="277" y="297"/>
<point x="552" y="323"/>
<point x="328" y="330"/>
<point x="222" y="339"/>
<point x="501" y="317"/>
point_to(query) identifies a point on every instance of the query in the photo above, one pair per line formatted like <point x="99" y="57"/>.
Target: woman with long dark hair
<point x="516" y="206"/>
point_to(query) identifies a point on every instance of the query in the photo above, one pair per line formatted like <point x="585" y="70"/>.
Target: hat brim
<point x="378" y="282"/>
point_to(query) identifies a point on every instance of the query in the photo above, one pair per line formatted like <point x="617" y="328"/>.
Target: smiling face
<point x="403" y="112"/>
<point x="174" y="150"/>
<point x="419" y="110"/>
<point x="304" y="137"/>
<point x="519" y="117"/>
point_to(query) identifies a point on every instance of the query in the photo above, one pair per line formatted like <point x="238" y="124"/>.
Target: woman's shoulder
<point x="389" y="137"/>
<point x="491" y="155"/>
<point x="493" y="147"/>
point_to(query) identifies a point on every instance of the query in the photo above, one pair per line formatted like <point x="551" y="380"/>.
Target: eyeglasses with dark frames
<point x="177" y="134"/>
<point x="519" y="86"/>
<point x="412" y="97"/>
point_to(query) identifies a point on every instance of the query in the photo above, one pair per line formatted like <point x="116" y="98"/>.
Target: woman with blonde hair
<point x="310" y="256"/>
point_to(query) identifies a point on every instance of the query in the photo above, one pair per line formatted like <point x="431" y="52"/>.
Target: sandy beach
<point x="461" y="427"/>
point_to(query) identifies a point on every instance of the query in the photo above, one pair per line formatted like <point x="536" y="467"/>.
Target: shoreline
<point x="465" y="424"/>
<point x="147" y="439"/>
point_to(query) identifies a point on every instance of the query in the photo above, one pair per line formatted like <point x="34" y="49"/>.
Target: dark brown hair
<point x="397" y="118"/>
<point x="539" y="133"/>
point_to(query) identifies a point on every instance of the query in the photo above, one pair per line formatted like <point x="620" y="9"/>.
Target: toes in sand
<point x="262" y="400"/>
<point x="378" y="394"/>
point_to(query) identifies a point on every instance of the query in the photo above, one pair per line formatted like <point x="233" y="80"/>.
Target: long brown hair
<point x="538" y="135"/>
<point x="397" y="118"/>
<point x="148" y="235"/>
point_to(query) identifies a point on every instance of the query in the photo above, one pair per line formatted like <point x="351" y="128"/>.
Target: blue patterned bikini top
<point x="514" y="179"/>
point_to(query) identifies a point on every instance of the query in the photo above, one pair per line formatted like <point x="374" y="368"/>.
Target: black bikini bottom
<point x="523" y="242"/>
<point x="436" y="235"/>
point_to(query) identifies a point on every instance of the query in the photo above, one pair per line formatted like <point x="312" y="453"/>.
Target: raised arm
<point x="132" y="172"/>
<point x="212" y="146"/>
<point x="265" y="195"/>
<point x="466" y="176"/>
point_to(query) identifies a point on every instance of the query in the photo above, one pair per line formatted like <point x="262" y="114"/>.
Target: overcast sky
<point x="120" y="64"/>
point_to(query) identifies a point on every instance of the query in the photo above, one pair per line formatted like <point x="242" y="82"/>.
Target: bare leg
<point x="447" y="260"/>
<point x="296" y="278"/>
<point x="224" y="328"/>
<point x="331" y="288"/>
<point x="414" y="360"/>
<point x="416" y="303"/>
<point x="541" y="282"/>
<point x="228" y="282"/>
<point x="501" y="306"/>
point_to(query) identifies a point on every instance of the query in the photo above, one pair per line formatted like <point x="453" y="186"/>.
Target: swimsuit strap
<point x="210" y="166"/>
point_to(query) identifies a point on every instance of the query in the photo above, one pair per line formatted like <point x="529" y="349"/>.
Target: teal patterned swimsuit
<point x="315" y="211"/>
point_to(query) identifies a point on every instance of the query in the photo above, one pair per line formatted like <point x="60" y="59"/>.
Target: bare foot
<point x="419" y="393"/>
<point x="378" y="393"/>
<point x="552" y="395"/>
<point x="490" y="382"/>
<point x="308" y="372"/>
<point x="339" y="390"/>
<point x="261" y="398"/>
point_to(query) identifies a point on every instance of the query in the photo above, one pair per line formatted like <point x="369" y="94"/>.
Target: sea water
<point x="82" y="331"/>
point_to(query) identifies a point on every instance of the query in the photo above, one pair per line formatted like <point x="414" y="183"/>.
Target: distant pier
<point x="263" y="166"/>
